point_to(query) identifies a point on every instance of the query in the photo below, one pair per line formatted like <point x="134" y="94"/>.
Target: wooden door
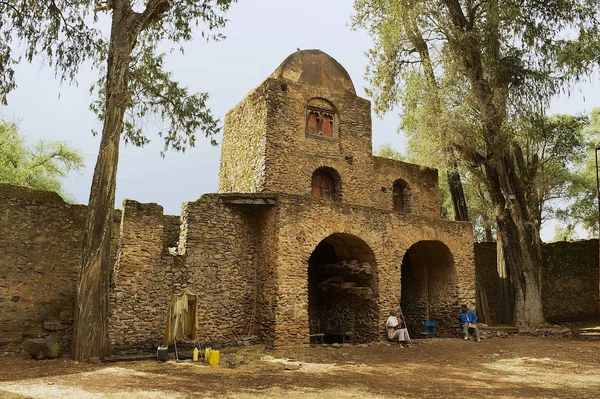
<point x="398" y="198"/>
<point x="323" y="185"/>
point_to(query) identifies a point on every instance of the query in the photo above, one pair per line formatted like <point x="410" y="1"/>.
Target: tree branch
<point x="155" y="10"/>
<point x="456" y="12"/>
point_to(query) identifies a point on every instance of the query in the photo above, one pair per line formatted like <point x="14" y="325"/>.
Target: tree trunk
<point x="90" y="332"/>
<point x="520" y="245"/>
<point x="457" y="193"/>
<point x="507" y="291"/>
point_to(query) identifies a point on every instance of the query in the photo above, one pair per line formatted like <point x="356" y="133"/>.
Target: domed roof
<point x="316" y="68"/>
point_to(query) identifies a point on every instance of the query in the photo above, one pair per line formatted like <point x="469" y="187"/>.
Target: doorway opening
<point x="342" y="289"/>
<point x="429" y="288"/>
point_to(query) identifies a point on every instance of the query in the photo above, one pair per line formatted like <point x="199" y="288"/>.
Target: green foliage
<point x="473" y="79"/>
<point x="386" y="151"/>
<point x="55" y="30"/>
<point x="582" y="209"/>
<point x="62" y="34"/>
<point x="40" y="166"/>
<point x="552" y="146"/>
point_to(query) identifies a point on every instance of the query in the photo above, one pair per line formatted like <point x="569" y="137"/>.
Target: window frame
<point x="321" y="113"/>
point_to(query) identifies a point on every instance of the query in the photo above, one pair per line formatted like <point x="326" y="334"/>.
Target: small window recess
<point x="401" y="196"/>
<point x="321" y="120"/>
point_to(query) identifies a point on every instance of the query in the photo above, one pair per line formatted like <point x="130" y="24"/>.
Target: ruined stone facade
<point x="307" y="225"/>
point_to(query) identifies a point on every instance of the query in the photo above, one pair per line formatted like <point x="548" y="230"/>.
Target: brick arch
<point x="429" y="287"/>
<point x="343" y="287"/>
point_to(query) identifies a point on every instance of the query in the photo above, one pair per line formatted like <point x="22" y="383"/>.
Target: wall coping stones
<point x="10" y="191"/>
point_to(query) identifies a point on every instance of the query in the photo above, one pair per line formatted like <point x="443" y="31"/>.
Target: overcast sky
<point x="260" y="35"/>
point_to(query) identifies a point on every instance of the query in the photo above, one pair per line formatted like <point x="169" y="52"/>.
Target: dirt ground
<point x="513" y="367"/>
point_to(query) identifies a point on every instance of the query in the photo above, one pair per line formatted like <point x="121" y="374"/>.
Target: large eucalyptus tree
<point x="466" y="72"/>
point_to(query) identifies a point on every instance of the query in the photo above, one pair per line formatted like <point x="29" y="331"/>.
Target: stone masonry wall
<point x="243" y="148"/>
<point x="267" y="295"/>
<point x="220" y="251"/>
<point x="265" y="149"/>
<point x="145" y="277"/>
<point x="424" y="193"/>
<point x="487" y="274"/>
<point x="40" y="254"/>
<point x="171" y="231"/>
<point x="569" y="279"/>
<point x="40" y="241"/>
<point x="305" y="222"/>
<point x="292" y="156"/>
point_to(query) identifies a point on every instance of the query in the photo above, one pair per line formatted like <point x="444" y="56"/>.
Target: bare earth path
<point x="515" y="367"/>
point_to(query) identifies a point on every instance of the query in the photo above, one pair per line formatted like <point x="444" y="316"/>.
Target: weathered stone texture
<point x="145" y="277"/>
<point x="569" y="279"/>
<point x="243" y="149"/>
<point x="487" y="276"/>
<point x="276" y="155"/>
<point x="220" y="250"/>
<point x="258" y="254"/>
<point x="171" y="231"/>
<point x="40" y="240"/>
<point x="424" y="192"/>
<point x="306" y="221"/>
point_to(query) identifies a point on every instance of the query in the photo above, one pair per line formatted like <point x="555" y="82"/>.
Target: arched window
<point x="320" y="118"/>
<point x="325" y="184"/>
<point x="400" y="196"/>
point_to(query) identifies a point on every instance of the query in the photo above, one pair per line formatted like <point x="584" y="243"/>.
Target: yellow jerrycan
<point x="195" y="355"/>
<point x="214" y="357"/>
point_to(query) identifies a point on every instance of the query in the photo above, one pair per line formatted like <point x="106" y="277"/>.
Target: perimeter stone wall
<point x="569" y="279"/>
<point x="40" y="253"/>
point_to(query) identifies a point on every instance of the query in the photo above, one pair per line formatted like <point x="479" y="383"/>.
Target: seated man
<point x="394" y="328"/>
<point x="468" y="322"/>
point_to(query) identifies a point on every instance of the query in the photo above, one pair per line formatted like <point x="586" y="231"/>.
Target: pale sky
<point x="260" y="35"/>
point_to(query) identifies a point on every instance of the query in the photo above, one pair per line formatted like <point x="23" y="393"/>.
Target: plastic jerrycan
<point x="195" y="355"/>
<point x="206" y="354"/>
<point x="214" y="357"/>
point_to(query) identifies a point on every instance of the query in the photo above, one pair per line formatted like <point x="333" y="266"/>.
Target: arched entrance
<point x="342" y="288"/>
<point x="429" y="287"/>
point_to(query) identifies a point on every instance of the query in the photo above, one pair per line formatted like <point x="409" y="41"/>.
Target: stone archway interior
<point x="342" y="288"/>
<point x="429" y="288"/>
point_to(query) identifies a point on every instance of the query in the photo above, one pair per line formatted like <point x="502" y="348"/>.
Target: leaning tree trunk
<point x="521" y="245"/>
<point x="90" y="332"/>
<point x="458" y="194"/>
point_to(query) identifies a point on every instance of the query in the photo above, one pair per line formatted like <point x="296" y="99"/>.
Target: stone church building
<point x="307" y="225"/>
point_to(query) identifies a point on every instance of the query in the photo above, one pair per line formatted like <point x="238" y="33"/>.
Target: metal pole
<point x="598" y="196"/>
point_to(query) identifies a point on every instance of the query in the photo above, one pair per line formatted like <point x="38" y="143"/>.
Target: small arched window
<point x="320" y="118"/>
<point x="325" y="184"/>
<point x="401" y="196"/>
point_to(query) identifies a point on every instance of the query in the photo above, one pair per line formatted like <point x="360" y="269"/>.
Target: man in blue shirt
<point x="468" y="322"/>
